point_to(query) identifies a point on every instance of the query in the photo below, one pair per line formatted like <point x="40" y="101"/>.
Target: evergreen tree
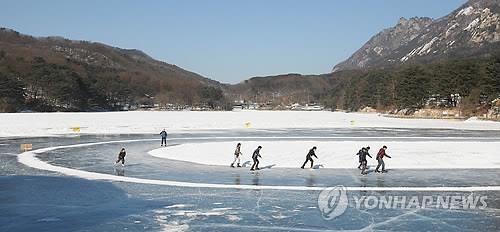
<point x="11" y="93"/>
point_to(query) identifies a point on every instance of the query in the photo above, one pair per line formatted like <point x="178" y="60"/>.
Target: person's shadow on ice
<point x="268" y="166"/>
<point x="247" y="164"/>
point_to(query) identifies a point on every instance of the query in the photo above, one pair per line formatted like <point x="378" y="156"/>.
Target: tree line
<point x="46" y="87"/>
<point x="409" y="86"/>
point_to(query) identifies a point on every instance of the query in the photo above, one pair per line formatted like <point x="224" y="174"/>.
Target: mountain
<point x="420" y="62"/>
<point x="287" y="89"/>
<point x="66" y="74"/>
<point x="282" y="89"/>
<point x="471" y="31"/>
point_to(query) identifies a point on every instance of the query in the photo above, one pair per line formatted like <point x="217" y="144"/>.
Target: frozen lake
<point x="34" y="199"/>
<point x="74" y="184"/>
<point x="145" y="122"/>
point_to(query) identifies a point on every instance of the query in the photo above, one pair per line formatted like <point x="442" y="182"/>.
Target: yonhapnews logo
<point x="333" y="202"/>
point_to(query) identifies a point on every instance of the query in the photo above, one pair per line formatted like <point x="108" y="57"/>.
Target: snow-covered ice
<point x="43" y="124"/>
<point x="342" y="154"/>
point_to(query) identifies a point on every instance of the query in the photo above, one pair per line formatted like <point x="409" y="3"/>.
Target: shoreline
<point x="429" y="117"/>
<point x="477" y="118"/>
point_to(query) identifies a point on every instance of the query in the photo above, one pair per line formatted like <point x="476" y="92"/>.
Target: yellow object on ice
<point x="353" y="122"/>
<point x="75" y="129"/>
<point x="248" y="125"/>
<point x="26" y="147"/>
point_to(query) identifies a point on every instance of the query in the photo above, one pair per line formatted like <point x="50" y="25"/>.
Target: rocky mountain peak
<point x="483" y="3"/>
<point x="413" y="21"/>
<point x="471" y="30"/>
<point x="402" y="21"/>
<point x="385" y="42"/>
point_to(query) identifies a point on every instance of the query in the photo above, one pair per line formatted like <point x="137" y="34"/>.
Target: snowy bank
<point x="405" y="155"/>
<point x="40" y="124"/>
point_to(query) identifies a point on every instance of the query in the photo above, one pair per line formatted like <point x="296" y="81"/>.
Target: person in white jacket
<point x="237" y="154"/>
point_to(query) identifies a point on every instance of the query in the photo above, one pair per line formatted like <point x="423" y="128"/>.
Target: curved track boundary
<point x="29" y="159"/>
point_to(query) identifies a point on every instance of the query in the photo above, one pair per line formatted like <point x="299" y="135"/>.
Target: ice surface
<point x="42" y="124"/>
<point x="29" y="159"/>
<point x="338" y="154"/>
<point x="270" y="204"/>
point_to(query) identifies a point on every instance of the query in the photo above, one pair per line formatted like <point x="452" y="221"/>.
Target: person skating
<point x="255" y="158"/>
<point x="237" y="154"/>
<point x="380" y="158"/>
<point x="359" y="154"/>
<point x="121" y="157"/>
<point x="309" y="156"/>
<point x="362" y="153"/>
<point x="362" y="157"/>
<point x="163" y="135"/>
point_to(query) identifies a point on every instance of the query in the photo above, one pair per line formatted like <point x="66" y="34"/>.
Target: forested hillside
<point x="411" y="87"/>
<point x="56" y="74"/>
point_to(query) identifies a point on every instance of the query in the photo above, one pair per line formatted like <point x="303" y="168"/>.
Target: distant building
<point x="436" y="100"/>
<point x="307" y="107"/>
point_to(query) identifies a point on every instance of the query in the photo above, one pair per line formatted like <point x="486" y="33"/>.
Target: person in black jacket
<point x="360" y="154"/>
<point x="163" y="135"/>
<point x="362" y="159"/>
<point x="121" y="156"/>
<point x="255" y="156"/>
<point x="309" y="156"/>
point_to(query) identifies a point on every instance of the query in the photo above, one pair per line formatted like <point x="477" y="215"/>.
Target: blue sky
<point x="226" y="40"/>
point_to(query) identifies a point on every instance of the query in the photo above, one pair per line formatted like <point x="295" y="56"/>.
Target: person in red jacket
<point x="380" y="159"/>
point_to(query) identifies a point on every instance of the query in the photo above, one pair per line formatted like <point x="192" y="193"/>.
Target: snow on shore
<point x="41" y="124"/>
<point x="405" y="155"/>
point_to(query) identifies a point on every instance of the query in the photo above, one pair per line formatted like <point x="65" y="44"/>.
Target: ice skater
<point x="237" y="154"/>
<point x="255" y="158"/>
<point x="163" y="135"/>
<point x="359" y="157"/>
<point x="121" y="157"/>
<point x="380" y="158"/>
<point x="362" y="159"/>
<point x="309" y="156"/>
<point x="362" y="153"/>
